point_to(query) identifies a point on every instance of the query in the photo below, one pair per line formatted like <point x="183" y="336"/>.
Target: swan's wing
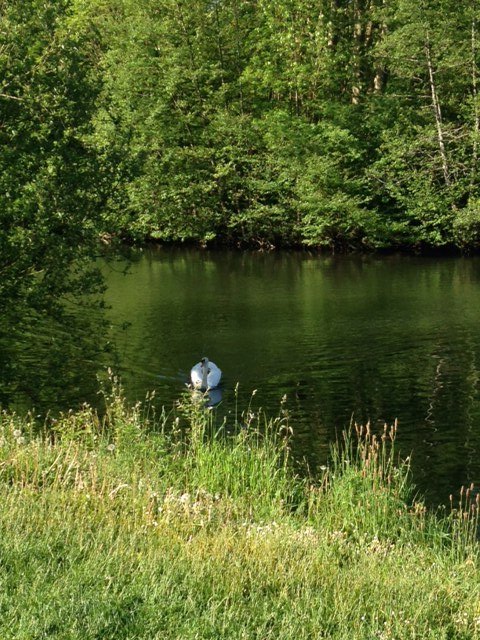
<point x="214" y="375"/>
<point x="196" y="374"/>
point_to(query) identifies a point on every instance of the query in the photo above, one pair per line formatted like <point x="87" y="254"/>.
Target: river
<point x="342" y="337"/>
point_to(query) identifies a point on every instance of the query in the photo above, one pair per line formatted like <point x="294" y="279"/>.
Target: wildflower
<point x="21" y="440"/>
<point x="111" y="447"/>
<point x="17" y="433"/>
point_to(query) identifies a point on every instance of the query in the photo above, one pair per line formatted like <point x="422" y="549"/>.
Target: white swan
<point x="205" y="375"/>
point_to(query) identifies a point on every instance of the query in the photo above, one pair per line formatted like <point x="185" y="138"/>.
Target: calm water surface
<point x="368" y="338"/>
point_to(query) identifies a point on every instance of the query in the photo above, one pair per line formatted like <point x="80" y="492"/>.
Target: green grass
<point x="136" y="526"/>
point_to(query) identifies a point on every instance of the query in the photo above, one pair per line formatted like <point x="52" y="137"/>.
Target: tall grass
<point x="172" y="526"/>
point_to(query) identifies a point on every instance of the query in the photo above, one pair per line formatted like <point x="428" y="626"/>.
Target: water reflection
<point x="50" y="362"/>
<point x="213" y="397"/>
<point x="208" y="399"/>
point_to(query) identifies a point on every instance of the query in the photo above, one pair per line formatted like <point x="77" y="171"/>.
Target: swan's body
<point x="205" y="375"/>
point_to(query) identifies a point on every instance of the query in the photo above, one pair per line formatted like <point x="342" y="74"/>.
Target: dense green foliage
<point x="134" y="527"/>
<point x="50" y="186"/>
<point x="339" y="123"/>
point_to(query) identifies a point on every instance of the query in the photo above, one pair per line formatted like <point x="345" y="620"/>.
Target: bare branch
<point x="9" y="97"/>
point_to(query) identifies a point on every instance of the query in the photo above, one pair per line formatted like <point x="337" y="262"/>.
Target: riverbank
<point x="125" y="244"/>
<point x="144" y="526"/>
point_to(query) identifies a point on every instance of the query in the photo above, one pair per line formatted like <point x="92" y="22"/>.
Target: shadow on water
<point x="50" y="362"/>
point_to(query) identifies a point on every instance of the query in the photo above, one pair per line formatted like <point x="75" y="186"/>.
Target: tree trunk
<point x="331" y="40"/>
<point x="238" y="55"/>
<point x="476" y="117"/>
<point x="357" y="52"/>
<point x="437" y="112"/>
<point x="379" y="71"/>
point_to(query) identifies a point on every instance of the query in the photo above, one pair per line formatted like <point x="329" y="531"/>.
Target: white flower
<point x="111" y="447"/>
<point x="17" y="433"/>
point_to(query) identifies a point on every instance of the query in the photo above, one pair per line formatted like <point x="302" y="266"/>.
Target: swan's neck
<point x="204" y="375"/>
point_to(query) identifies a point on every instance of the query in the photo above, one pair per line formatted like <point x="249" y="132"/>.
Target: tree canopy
<point x="336" y="123"/>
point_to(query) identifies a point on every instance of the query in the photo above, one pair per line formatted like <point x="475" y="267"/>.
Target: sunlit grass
<point x="172" y="526"/>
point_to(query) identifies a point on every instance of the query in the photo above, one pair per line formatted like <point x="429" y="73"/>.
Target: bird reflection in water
<point x="210" y="398"/>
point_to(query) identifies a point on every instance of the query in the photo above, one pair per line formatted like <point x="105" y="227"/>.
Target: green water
<point x="363" y="338"/>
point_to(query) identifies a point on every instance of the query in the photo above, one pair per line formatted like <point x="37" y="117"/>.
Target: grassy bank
<point x="142" y="527"/>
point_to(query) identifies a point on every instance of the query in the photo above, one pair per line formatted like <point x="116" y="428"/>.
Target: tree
<point x="51" y="185"/>
<point x="427" y="156"/>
